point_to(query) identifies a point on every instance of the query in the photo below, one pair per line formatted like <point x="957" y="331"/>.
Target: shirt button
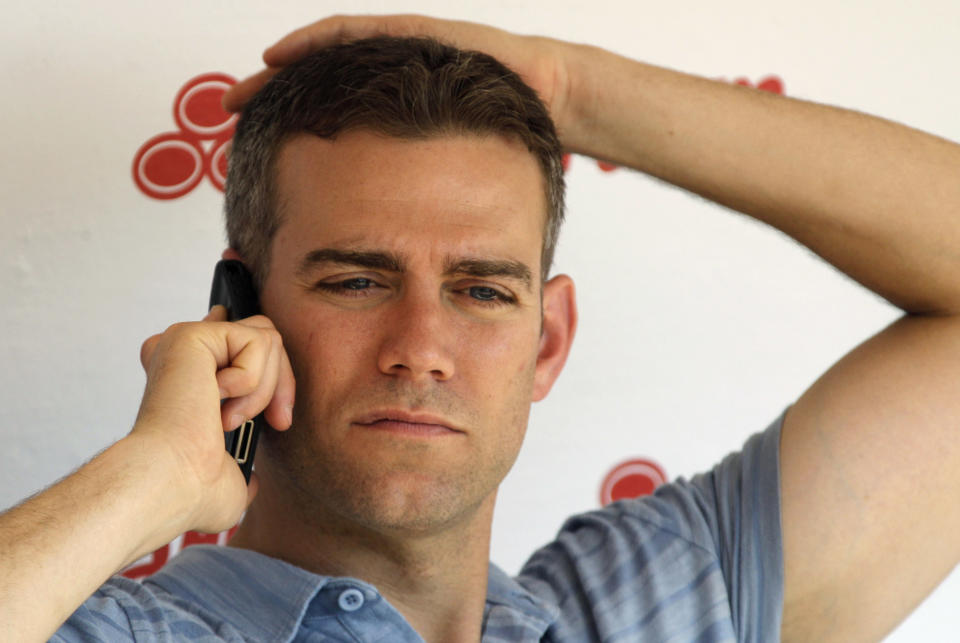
<point x="350" y="600"/>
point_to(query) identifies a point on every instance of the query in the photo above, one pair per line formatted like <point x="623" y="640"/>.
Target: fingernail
<point x="236" y="420"/>
<point x="289" y="411"/>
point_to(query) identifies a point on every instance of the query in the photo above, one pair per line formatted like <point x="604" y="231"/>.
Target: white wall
<point x="698" y="326"/>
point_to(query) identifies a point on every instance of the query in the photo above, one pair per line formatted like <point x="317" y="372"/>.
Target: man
<point x="380" y="322"/>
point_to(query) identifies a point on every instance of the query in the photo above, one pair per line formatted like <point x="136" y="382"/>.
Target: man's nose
<point x="418" y="340"/>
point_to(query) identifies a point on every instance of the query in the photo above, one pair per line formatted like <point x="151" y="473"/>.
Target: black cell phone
<point x="233" y="289"/>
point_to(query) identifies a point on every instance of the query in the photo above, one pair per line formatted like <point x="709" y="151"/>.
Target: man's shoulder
<point x="697" y="513"/>
<point x="710" y="547"/>
<point x="206" y="593"/>
<point x="127" y="610"/>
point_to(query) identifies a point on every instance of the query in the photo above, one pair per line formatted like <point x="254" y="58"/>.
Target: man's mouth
<point x="413" y="424"/>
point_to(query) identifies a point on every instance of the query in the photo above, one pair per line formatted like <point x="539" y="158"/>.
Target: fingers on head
<point x="240" y="94"/>
<point x="339" y="29"/>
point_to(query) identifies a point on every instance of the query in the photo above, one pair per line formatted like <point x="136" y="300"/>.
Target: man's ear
<point x="556" y="337"/>
<point x="230" y="253"/>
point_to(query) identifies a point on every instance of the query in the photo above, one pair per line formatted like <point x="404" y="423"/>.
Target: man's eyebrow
<point x="375" y="260"/>
<point x="382" y="260"/>
<point x="476" y="267"/>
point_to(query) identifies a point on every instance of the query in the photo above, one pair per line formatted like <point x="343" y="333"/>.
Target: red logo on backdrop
<point x="631" y="479"/>
<point x="170" y="165"/>
<point x="772" y="84"/>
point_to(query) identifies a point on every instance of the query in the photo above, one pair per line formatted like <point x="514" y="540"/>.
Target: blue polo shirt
<point x="699" y="560"/>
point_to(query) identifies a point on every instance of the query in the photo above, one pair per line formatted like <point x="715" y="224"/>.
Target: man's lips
<point x="407" y="423"/>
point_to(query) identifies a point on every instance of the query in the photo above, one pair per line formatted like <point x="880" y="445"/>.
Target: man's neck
<point x="437" y="579"/>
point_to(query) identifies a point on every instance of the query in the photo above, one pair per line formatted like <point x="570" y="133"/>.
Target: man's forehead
<point x="439" y="153"/>
<point x="480" y="184"/>
<point x="373" y="138"/>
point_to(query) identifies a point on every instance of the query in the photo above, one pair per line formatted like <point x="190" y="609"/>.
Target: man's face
<point x="405" y="283"/>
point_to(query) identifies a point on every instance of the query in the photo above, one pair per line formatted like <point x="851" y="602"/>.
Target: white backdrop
<point x="697" y="326"/>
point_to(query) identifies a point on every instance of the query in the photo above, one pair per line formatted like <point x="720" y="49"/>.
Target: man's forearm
<point x="878" y="200"/>
<point x="58" y="547"/>
<point x="170" y="475"/>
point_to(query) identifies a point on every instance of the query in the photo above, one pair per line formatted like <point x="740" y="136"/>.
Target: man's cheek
<point x="522" y="352"/>
<point x="334" y="347"/>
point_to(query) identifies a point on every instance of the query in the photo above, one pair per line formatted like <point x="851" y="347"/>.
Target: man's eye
<point x="359" y="283"/>
<point x="347" y="286"/>
<point x="488" y="296"/>
<point x="484" y="293"/>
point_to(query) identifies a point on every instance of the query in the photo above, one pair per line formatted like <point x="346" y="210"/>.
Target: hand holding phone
<point x="233" y="288"/>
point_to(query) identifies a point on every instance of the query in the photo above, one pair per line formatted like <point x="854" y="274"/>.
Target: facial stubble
<point x="403" y="485"/>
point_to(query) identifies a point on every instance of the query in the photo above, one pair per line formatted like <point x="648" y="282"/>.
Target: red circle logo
<point x="631" y="479"/>
<point x="197" y="107"/>
<point x="170" y="165"/>
<point x="217" y="163"/>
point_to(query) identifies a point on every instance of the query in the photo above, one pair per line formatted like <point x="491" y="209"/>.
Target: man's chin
<point x="402" y="503"/>
<point x="401" y="491"/>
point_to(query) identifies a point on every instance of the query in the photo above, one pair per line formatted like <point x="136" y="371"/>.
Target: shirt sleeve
<point x="113" y="613"/>
<point x="735" y="510"/>
<point x="699" y="559"/>
<point x="126" y="610"/>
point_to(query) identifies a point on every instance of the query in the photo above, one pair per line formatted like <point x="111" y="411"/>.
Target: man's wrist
<point x="59" y="546"/>
<point x="148" y="470"/>
<point x="579" y="118"/>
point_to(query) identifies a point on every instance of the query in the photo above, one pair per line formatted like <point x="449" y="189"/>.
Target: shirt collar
<point x="267" y="598"/>
<point x="504" y="592"/>
<point x="261" y="596"/>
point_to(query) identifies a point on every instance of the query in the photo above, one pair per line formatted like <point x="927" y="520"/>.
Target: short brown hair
<point x="408" y="88"/>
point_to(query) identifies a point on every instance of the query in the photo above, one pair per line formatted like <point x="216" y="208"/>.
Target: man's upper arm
<point x="870" y="466"/>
